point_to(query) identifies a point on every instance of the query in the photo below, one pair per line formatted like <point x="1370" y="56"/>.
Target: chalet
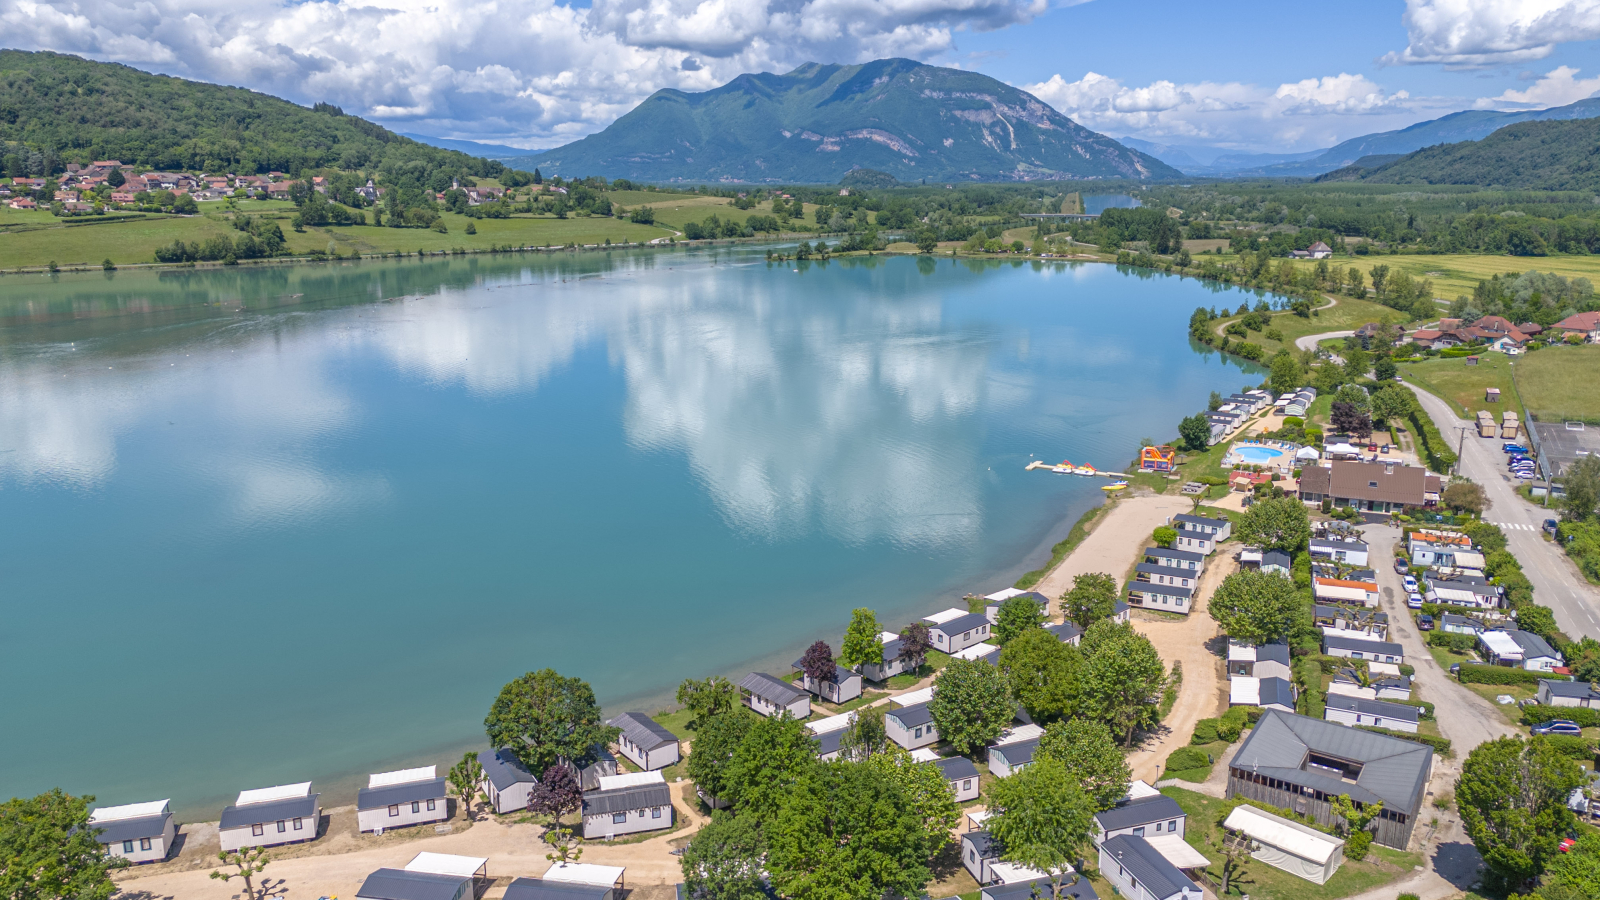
<point x="1372" y="713"/>
<point x="842" y="686"/>
<point x="1006" y="759"/>
<point x="1301" y="763"/>
<point x="400" y="799"/>
<point x="1436" y="548"/>
<point x="268" y="817"/>
<point x="506" y="781"/>
<point x="1344" y="590"/>
<point x="627" y="804"/>
<point x="956" y="629"/>
<point x="1259" y="660"/>
<point x="1139" y="872"/>
<point x="961" y="775"/>
<point x="1372" y="651"/>
<point x="771" y="696"/>
<point x="1460" y="590"/>
<point x="1374" y="487"/>
<point x="1150" y="573"/>
<point x="1584" y="324"/>
<point x="137" y="832"/>
<point x="1146" y="817"/>
<point x="429" y="876"/>
<point x="894" y="659"/>
<point x="1450" y="623"/>
<point x="1175" y="559"/>
<point x="1555" y="693"/>
<point x="645" y="742"/>
<point x="1164" y="597"/>
<point x="911" y="726"/>
<point x="1347" y="552"/>
<point x="1519" y="650"/>
<point x="1346" y="683"/>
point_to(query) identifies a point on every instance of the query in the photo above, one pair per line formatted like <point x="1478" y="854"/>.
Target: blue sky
<point x="539" y="73"/>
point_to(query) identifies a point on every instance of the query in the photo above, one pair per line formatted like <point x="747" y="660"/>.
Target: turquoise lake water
<point x="268" y="525"/>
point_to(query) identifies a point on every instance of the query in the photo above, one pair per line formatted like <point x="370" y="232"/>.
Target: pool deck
<point x="1283" y="460"/>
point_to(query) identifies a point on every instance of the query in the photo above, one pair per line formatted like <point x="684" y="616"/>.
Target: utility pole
<point x="1461" y="445"/>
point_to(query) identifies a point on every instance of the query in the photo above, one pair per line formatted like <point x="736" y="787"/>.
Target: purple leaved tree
<point x="556" y="795"/>
<point x="818" y="663"/>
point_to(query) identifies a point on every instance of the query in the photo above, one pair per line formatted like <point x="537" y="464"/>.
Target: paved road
<point x="1556" y="582"/>
<point x="1310" y="341"/>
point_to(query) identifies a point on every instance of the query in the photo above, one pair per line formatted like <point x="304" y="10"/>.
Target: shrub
<point x="1571" y="745"/>
<point x="1478" y="674"/>
<point x="1232" y="723"/>
<point x="1355" y="846"/>
<point x="1440" y="745"/>
<point x="1408" y="897"/>
<point x="1185" y="758"/>
<point x="1458" y="642"/>
<point x="1586" y="717"/>
<point x="1205" y="731"/>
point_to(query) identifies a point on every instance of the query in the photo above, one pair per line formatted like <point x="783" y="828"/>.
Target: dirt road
<point x="1118" y="538"/>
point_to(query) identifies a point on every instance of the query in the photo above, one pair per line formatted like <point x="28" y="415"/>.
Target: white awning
<point x="939" y="618"/>
<point x="1469" y="560"/>
<point x="1239" y="650"/>
<point x="976" y="818"/>
<point x="1300" y="840"/>
<point x="1002" y="596"/>
<point x="281" y="792"/>
<point x="976" y="651"/>
<point x="924" y="754"/>
<point x="630" y="779"/>
<point x="1243" y="690"/>
<point x="1177" y="851"/>
<point x="1382" y="668"/>
<point x="129" y="811"/>
<point x="1138" y="790"/>
<point x="449" y="864"/>
<point x="403" y="776"/>
<point x="1017" y="733"/>
<point x="1011" y="873"/>
<point x="912" y="698"/>
<point x="1307" y="453"/>
<point x="1501" y="644"/>
<point x="831" y="723"/>
<point x="584" y="873"/>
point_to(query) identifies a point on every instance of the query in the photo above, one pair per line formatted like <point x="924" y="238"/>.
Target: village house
<point x="1373" y="487"/>
<point x="1564" y="693"/>
<point x="268" y="817"/>
<point x="1372" y="651"/>
<point x="429" y="876"/>
<point x="627" y="804"/>
<point x="1138" y="871"/>
<point x="956" y="629"/>
<point x="1519" y="650"/>
<point x="645" y="742"/>
<point x="137" y="832"/>
<point x="1301" y="763"/>
<point x="1584" y="324"/>
<point x="770" y="696"/>
<point x="1373" y="713"/>
<point x="506" y="781"/>
<point x="403" y="798"/>
<point x="23" y="203"/>
<point x="841" y="687"/>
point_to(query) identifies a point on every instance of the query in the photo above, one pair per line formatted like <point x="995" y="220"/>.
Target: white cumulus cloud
<point x="1478" y="33"/>
<point x="1557" y="87"/>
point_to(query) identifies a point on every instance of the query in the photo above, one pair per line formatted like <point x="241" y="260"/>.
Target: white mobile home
<point x="1460" y="589"/>
<point x="1344" y="590"/>
<point x="1519" y="650"/>
<point x="911" y="726"/>
<point x="645" y="742"/>
<point x="772" y="696"/>
<point x="894" y="659"/>
<point x="961" y="775"/>
<point x="951" y="633"/>
<point x="1162" y="597"/>
<point x="1200" y="534"/>
<point x="268" y="817"/>
<point x="137" y="832"/>
<point x="1437" y="548"/>
<point x="1373" y="713"/>
<point x="400" y="799"/>
<point x="1006" y="759"/>
<point x="593" y="766"/>
<point x="1350" y="553"/>
<point x="1175" y="559"/>
<point x="842" y="686"/>
<point x="1148" y="816"/>
<point x="1567" y="693"/>
<point x="1268" y="693"/>
<point x="1372" y="651"/>
<point x="627" y="804"/>
<point x="1259" y="660"/>
<point x="1140" y="872"/>
<point x="506" y="781"/>
<point x="829" y="734"/>
<point x="540" y="889"/>
<point x="986" y="652"/>
<point x="429" y="876"/>
<point x="1151" y="573"/>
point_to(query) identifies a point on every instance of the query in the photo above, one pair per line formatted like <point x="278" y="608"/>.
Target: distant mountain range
<point x="819" y="122"/>
<point x="474" y="148"/>
<point x="1552" y="155"/>
<point x="1468" y="125"/>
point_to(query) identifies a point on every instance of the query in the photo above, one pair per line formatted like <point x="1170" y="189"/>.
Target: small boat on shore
<point x="1114" y="486"/>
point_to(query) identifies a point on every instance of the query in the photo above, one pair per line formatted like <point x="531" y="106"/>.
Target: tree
<point x="846" y="832"/>
<point x="1276" y="524"/>
<point x="1215" y="403"/>
<point x="1094" y="595"/>
<point x="1356" y="818"/>
<point x="1583" y="658"/>
<point x="817" y="664"/>
<point x="1464" y="496"/>
<point x="971" y="704"/>
<point x="543" y="718"/>
<point x="1044" y="674"/>
<point x="1042" y="818"/>
<point x="707" y="697"/>
<point x="557" y="794"/>
<point x="775" y="754"/>
<point x="115" y="178"/>
<point x="915" y="642"/>
<point x="1384" y="369"/>
<point x="1255" y="607"/>
<point x="1380" y="277"/>
<point x="1350" y="420"/>
<point x="1164" y="536"/>
<point x="723" y="859"/>
<point x="48" y="850"/>
<point x="1196" y="432"/>
<point x="1513" y="800"/>
<point x="1392" y="404"/>
<point x="927" y="241"/>
<point x="711" y="755"/>
<point x="862" y="643"/>
<point x="924" y="788"/>
<point x="1576" y="871"/>
<point x="249" y="862"/>
<point x="1091" y="756"/>
<point x="466" y="777"/>
<point x="1286" y="374"/>
<point x="1582" y="485"/>
<point x="1016" y="615"/>
<point x="865" y="735"/>
<point x="1537" y="620"/>
<point x="1122" y="678"/>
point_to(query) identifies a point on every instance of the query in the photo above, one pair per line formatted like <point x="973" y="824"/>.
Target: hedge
<point x="1439" y="744"/>
<point x="1432" y="444"/>
<point x="1472" y="673"/>
<point x="1205" y="731"/>
<point x="1461" y="642"/>
<point x="1185" y="758"/>
<point x="1585" y="716"/>
<point x="1570" y="745"/>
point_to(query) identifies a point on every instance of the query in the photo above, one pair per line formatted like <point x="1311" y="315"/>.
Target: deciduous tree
<point x="817" y="664"/>
<point x="1464" y="496"/>
<point x="1094" y="595"/>
<point x="723" y="860"/>
<point x="1044" y="675"/>
<point x="1582" y="485"/>
<point x="707" y="697"/>
<point x="48" y="850"/>
<point x="1041" y="818"/>
<point x="862" y="643"/>
<point x="711" y="755"/>
<point x="543" y="718"/>
<point x="1286" y="373"/>
<point x="1164" y="536"/>
<point x="466" y="777"/>
<point x="247" y="863"/>
<point x="846" y="832"/>
<point x="557" y="794"/>
<point x="1123" y="678"/>
<point x="971" y="704"/>
<point x="1091" y="756"/>
<point x="1513" y="800"/>
<point x="1254" y="606"/>
<point x="924" y="788"/>
<point x="1195" y="431"/>
<point x="915" y="642"/>
<point x="774" y="756"/>
<point x="1015" y="616"/>
<point x="1276" y="524"/>
<point x="1350" y="420"/>
<point x="865" y="735"/>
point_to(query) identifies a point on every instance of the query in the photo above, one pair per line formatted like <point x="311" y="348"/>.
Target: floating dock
<point x="1066" y="468"/>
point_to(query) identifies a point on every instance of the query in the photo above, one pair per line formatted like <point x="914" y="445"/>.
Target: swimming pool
<point x="1255" y="454"/>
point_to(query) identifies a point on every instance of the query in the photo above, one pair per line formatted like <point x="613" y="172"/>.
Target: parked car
<point x="1513" y="447"/>
<point x="1410" y="583"/>
<point x="1384" y="449"/>
<point x="1558" y="726"/>
<point x="1550" y="525"/>
<point x="1566" y="845"/>
<point x="1414" y="600"/>
<point x="1425" y="622"/>
<point x="1455" y="669"/>
<point x="1401" y="567"/>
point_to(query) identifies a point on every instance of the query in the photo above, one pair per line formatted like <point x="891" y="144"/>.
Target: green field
<point x="1463" y="386"/>
<point x="676" y="210"/>
<point x="1347" y="314"/>
<point x="1454" y="275"/>
<point x="1561" y="382"/>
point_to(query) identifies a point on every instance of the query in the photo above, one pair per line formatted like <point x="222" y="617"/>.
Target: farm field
<point x="1560" y="382"/>
<point x="676" y="210"/>
<point x="1454" y="275"/>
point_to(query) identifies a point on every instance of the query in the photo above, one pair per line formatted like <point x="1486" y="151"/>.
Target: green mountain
<point x="56" y="109"/>
<point x="1551" y="155"/>
<point x="817" y="123"/>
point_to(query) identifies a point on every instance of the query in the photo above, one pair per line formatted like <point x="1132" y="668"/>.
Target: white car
<point x="1411" y="584"/>
<point x="1414" y="600"/>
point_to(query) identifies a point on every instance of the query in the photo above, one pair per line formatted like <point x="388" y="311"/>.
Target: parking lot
<point x="1561" y="444"/>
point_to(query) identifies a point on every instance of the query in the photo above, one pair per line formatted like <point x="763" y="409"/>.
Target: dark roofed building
<point x="1374" y="487"/>
<point x="398" y="884"/>
<point x="771" y="696"/>
<point x="645" y="742"/>
<point x="1078" y="889"/>
<point x="506" y="781"/>
<point x="1138" y="870"/>
<point x="1142" y="817"/>
<point x="628" y="809"/>
<point x="961" y="775"/>
<point x="539" y="889"/>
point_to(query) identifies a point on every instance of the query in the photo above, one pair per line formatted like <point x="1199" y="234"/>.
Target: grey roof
<point x="1276" y="690"/>
<point x="1579" y="690"/>
<point x="1373" y="707"/>
<point x="1143" y="811"/>
<point x="1147" y="866"/>
<point x="643" y="731"/>
<point x="829" y="741"/>
<point x="891" y="650"/>
<point x="1080" y="889"/>
<point x="1348" y="676"/>
<point x="1017" y="753"/>
<point x="504" y="770"/>
<point x="398" y="884"/>
<point x="1276" y="558"/>
<point x="539" y="889"/>
<point x="1344" y="643"/>
<point x="1119" y="608"/>
<point x="913" y="715"/>
<point x="622" y="799"/>
<point x="1532" y="645"/>
<point x="956" y="768"/>
<point x="984" y="843"/>
<point x="1471" y="583"/>
<point x="1324" y="543"/>
<point x="1274" y="652"/>
<point x="1165" y="590"/>
<point x="1460" y="621"/>
<point x="271" y="811"/>
<point x="961" y="624"/>
<point x="1167" y="553"/>
<point x="119" y="830"/>
<point x="598" y="755"/>
<point x="1336" y="611"/>
<point x="1065" y="631"/>
<point x="389" y="795"/>
<point x="1155" y="569"/>
<point x="1392" y="770"/>
<point x="774" y="690"/>
<point x="1199" y="520"/>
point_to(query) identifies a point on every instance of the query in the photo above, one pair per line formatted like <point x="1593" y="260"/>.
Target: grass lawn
<point x="1348" y="314"/>
<point x="934" y="662"/>
<point x="132" y="240"/>
<point x="822" y="710"/>
<point x="1263" y="882"/>
<point x="1447" y="658"/>
<point x="1511" y="713"/>
<point x="520" y="230"/>
<point x="1559" y="382"/>
<point x="676" y="210"/>
<point x="676" y="722"/>
<point x="1463" y="386"/>
<point x="1215" y="749"/>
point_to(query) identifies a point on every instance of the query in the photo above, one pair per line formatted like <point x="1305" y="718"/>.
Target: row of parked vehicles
<point x="1519" y="462"/>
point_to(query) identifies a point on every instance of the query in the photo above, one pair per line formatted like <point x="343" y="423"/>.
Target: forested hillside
<point x="1550" y="156"/>
<point x="56" y="109"/>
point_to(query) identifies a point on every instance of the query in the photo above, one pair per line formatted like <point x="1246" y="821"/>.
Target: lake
<point x="264" y="525"/>
<point x="1095" y="204"/>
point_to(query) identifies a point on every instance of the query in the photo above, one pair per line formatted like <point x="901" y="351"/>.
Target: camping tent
<point x="1298" y="849"/>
